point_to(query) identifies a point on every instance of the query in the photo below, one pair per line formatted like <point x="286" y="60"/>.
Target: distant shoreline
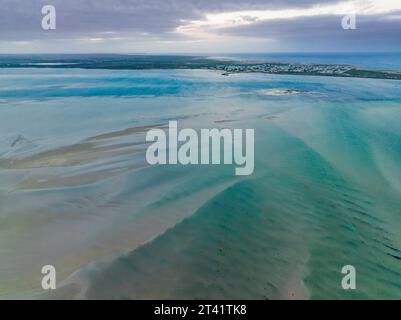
<point x="167" y="62"/>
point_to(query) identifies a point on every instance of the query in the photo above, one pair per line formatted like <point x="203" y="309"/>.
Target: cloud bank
<point x="198" y="26"/>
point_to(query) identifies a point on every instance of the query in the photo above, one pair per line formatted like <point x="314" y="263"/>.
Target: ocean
<point x="77" y="193"/>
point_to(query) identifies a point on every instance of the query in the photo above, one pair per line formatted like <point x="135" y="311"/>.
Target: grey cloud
<point x="153" y="20"/>
<point x="326" y="33"/>
<point x="21" y="19"/>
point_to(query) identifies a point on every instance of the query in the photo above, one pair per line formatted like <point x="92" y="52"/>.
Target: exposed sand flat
<point x="272" y="118"/>
<point x="224" y="121"/>
<point x="78" y="154"/>
<point x="86" y="151"/>
<point x="106" y="155"/>
<point x="125" y="132"/>
<point x="54" y="181"/>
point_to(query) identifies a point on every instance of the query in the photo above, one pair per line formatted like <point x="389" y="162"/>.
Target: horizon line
<point x="198" y="53"/>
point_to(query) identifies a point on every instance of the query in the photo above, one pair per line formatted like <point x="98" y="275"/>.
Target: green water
<point x="325" y="191"/>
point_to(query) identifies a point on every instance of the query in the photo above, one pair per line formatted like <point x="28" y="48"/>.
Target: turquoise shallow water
<point x="325" y="192"/>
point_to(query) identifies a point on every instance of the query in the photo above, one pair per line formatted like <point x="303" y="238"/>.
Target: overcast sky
<point x="200" y="26"/>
